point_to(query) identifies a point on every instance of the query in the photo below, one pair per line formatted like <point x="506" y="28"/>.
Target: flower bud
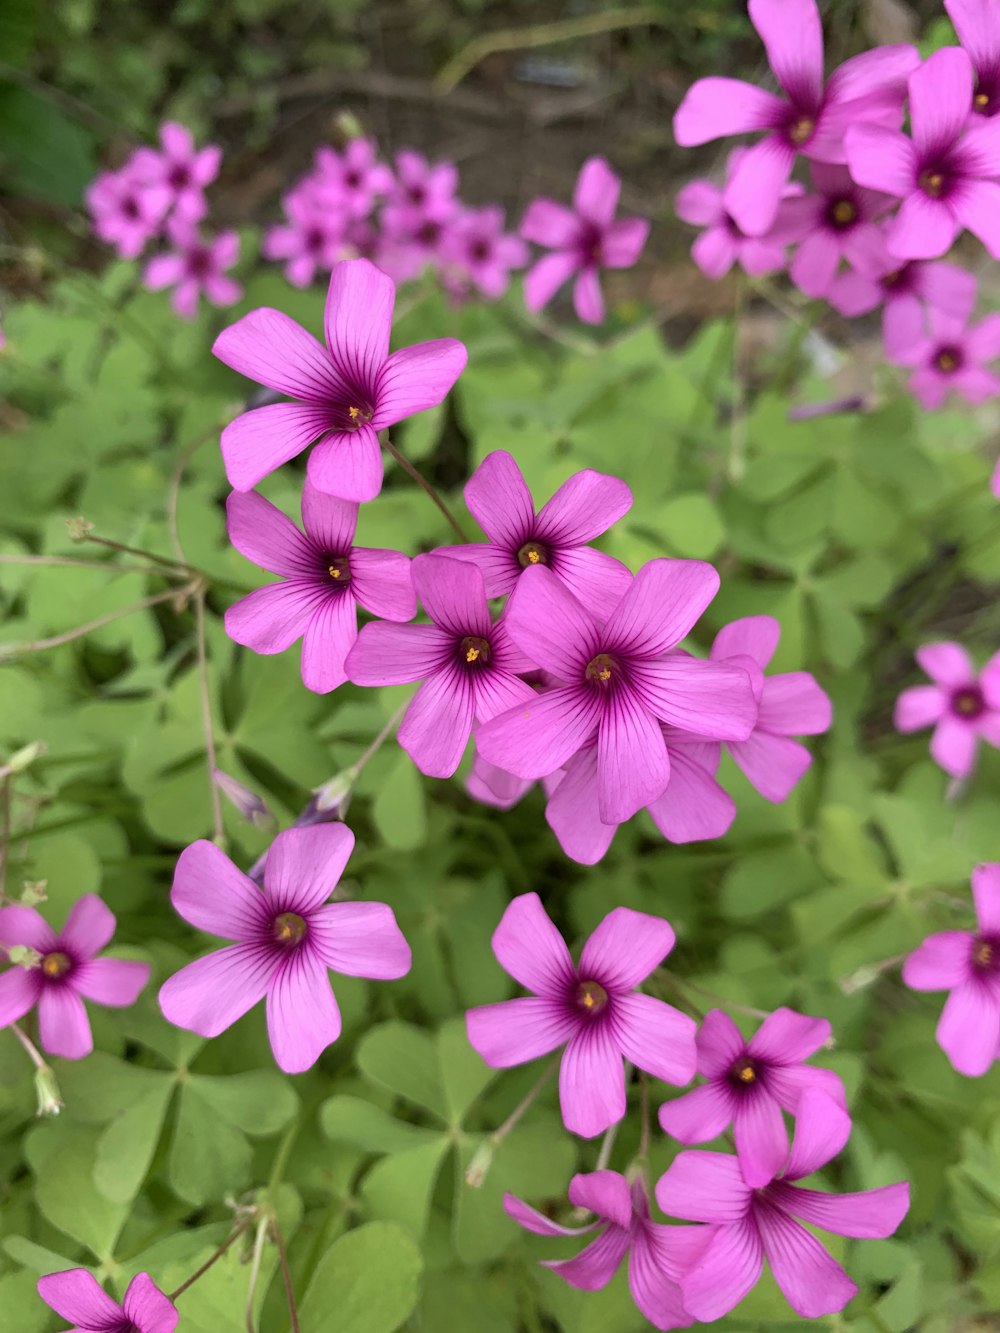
<point x="47" y="1091"/>
<point x="78" y="528"/>
<point x="33" y="893"/>
<point x="22" y="955"/>
<point x="23" y="758"/>
<point x="330" y="801"/>
<point x="252" y="807"/>
<point x="482" y="1160"/>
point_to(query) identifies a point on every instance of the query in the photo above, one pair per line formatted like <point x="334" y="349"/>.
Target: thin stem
<point x="213" y="1259"/>
<point x="738" y="416"/>
<point x="607" y="1146"/>
<point x="424" y="485"/>
<point x="57" y="640"/>
<point x="644" y="1112"/>
<point x="382" y="737"/>
<point x="67" y="562"/>
<point x="179" y="568"/>
<point x="34" y="1054"/>
<point x="747" y="1009"/>
<point x="206" y="716"/>
<point x="286" y="1275"/>
<point x="174" y="490"/>
<point x="4" y="835"/>
<point x="498" y="1135"/>
<point x="258" y="1251"/>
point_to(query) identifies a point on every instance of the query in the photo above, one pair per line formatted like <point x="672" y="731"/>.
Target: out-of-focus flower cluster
<point x="879" y="208"/>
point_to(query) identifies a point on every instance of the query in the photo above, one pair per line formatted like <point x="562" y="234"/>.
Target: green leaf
<point x="260" y="1103"/>
<point x="400" y="807"/>
<point x="208" y="1158"/>
<point x="402" y="1058"/>
<point x="464" y="1072"/>
<point x="63" y="1157"/>
<point x="691" y="526"/>
<point x="352" y="1120"/>
<point x="42" y="151"/>
<point x="370" y="1278"/>
<point x="399" y="1187"/>
<point x="126" y="1147"/>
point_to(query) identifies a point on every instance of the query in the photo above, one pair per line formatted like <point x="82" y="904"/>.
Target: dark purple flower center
<point x="130" y="207"/>
<point x="474" y="651"/>
<point x="416" y="194"/>
<point x="602" y="669"/>
<point x="968" y="702"/>
<point x="532" y="553"/>
<point x="429" y="233"/>
<point x="288" y="929"/>
<point x="480" y="251"/>
<point x="56" y="965"/>
<point x="986" y="99"/>
<point x="314" y="240"/>
<point x="199" y="262"/>
<point x="899" y="280"/>
<point x="947" y="360"/>
<point x="357" y="412"/>
<point x="940" y="173"/>
<point x="591" y="245"/>
<point x="986" y="954"/>
<point x="842" y="213"/>
<point x="744" y="1073"/>
<point x="352" y="180"/>
<point x="799" y="128"/>
<point x="590" y="997"/>
<point x="179" y="177"/>
<point x="338" y="569"/>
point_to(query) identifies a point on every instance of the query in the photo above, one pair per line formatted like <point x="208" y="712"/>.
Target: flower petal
<point x="388" y="654"/>
<point x="704" y="1187"/>
<point x="730" y="1266"/>
<point x="329" y="521"/>
<point x="63" y="1024"/>
<point x="772" y="764"/>
<point x="700" y="204"/>
<point x="360" y="940"/>
<point x="111" y="981"/>
<point x="625" y="947"/>
<point x="347" y="464"/>
<point x="532" y="1220"/>
<point x="209" y="892"/>
<point x="953" y="746"/>
<point x="922" y="229"/>
<point x="516" y="1031"/>
<point x="977" y="207"/>
<point x="793" y="38"/>
<point x="699" y="1115"/>
<point x="969" y="1028"/>
<point x="77" y="1296"/>
<point x="258" y="442"/>
<point x="438" y="723"/>
<point x="543" y="733"/>
<point x="693" y="807"/>
<point x="261" y="532"/>
<point x="583" y="507"/>
<point x="149" y="1310"/>
<point x="596" y="1264"/>
<point x="417" y="378"/>
<point x="940" y="96"/>
<point x="591" y="1082"/>
<point x="304" y="866"/>
<point x="710" y="699"/>
<point x="867" y="1215"/>
<point x="761" y="1137"/>
<point x="815" y="264"/>
<point x="633" y="767"/>
<point x="550" y="626"/>
<point x="358" y="320"/>
<point x="498" y="566"/>
<point x="652" y="1269"/>
<point x="498" y="498"/>
<point x="588" y="299"/>
<point x="986" y="895"/>
<point x="23" y="925"/>
<point x="382" y="582"/>
<point x="821" y="1130"/>
<point x="302" y="1014"/>
<point x="751" y="636"/>
<point x="656" y="1037"/>
<point x="715" y="108"/>
<point x="881" y="159"/>
<point x="210" y="994"/>
<point x="270" y="619"/>
<point x="623" y="242"/>
<point x="918" y="707"/>
<point x="544" y="279"/>
<point x="664" y="601"/>
<point x="529" y="947"/>
<point x="270" y="348"/>
<point x="550" y="224"/>
<point x="572" y="812"/>
<point x="330" y="634"/>
<point x="595" y="196"/>
<point x="89" y="926"/>
<point x="720" y="1043"/>
<point x="452" y="594"/>
<point x="19" y="991"/>
<point x="787" y="1038"/>
<point x="605" y="1193"/>
<point x="754" y="192"/>
<point x="941" y="962"/>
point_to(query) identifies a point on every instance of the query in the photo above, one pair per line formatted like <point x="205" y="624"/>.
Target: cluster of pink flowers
<point x="882" y="206"/>
<point x="409" y="218"/>
<point x="962" y="705"/>
<point x="159" y="194"/>
<point x="748" y="1206"/>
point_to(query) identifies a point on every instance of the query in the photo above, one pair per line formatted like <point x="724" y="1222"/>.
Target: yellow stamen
<point x="55" y="965"/>
<point x="981" y="100"/>
<point x="982" y="954"/>
<point x="354" y="413"/>
<point x="472" y="654"/>
<point x="801" y="130"/>
<point x="334" y="572"/>
<point x="844" y="212"/>
<point x="592" y="996"/>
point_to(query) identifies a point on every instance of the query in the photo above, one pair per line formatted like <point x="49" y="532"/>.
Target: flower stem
<point x="381" y="738"/>
<point x="57" y="640"/>
<point x="482" y="1159"/>
<point x="425" y="485"/>
<point x="607" y="1146"/>
<point x="286" y="1274"/>
<point x="258" y="1252"/>
<point x="34" y="1055"/>
<point x="206" y="716"/>
<point x="67" y="562"/>
<point x="177" y="569"/>
<point x="230" y="1240"/>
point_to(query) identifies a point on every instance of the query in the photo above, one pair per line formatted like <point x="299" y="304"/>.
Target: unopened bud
<point x="33" y="893"/>
<point x="24" y="758"/>
<point x="251" y="806"/>
<point x="348" y="126"/>
<point x="330" y="801"/>
<point x="78" y="528"/>
<point x="22" y="955"/>
<point x="482" y="1159"/>
<point x="47" y="1092"/>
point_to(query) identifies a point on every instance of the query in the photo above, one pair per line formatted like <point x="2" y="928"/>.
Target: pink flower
<point x="77" y="1296"/>
<point x="127" y="212"/>
<point x="312" y="239"/>
<point x="69" y="973"/>
<point x="616" y="682"/>
<point x="581" y="509"/>
<point x="658" y="1255"/>
<point x="978" y="25"/>
<point x="482" y="252"/>
<point x="419" y="214"/>
<point x="749" y="1225"/>
<point x="838" y="222"/>
<point x="810" y="118"/>
<point x="902" y="288"/>
<point x="287" y="937"/>
<point x="953" y="357"/>
<point x="426" y="187"/>
<point x="722" y="243"/>
<point x="967" y="965"/>
<point x="749" y="1083"/>
<point x="962" y="706"/>
<point x="790" y="705"/>
<point x="467" y="663"/>
<point x="584" y="239"/>
<point x="351" y="180"/>
<point x="345" y="393"/>
<point x="593" y="1009"/>
<point x="196" y="268"/>
<point x="181" y="169"/>
<point x="692" y="808"/>
<point x="493" y="786"/>
<point x="325" y="578"/>
<point x="943" y="174"/>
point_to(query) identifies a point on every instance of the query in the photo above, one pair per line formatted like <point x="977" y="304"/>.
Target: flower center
<point x="744" y="1072"/>
<point x="984" y="955"/>
<point x="531" y="553"/>
<point x="801" y="130"/>
<point x="968" y="702"/>
<point x="199" y="262"/>
<point x="843" y="212"/>
<point x="981" y="101"/>
<point x="289" y="929"/>
<point x="480" y="251"/>
<point x="933" y="182"/>
<point x="948" y="360"/>
<point x="314" y="240"/>
<point x="339" y="570"/>
<point x="131" y="209"/>
<point x="474" y="650"/>
<point x="601" y="669"/>
<point x="357" y="416"/>
<point x="179" y="178"/>
<point x="56" y="965"/>
<point x="591" y="997"/>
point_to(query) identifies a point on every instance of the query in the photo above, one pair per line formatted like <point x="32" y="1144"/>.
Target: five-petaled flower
<point x="557" y="536"/>
<point x="952" y="358"/>
<point x="722" y="243"/>
<point x="837" y="222"/>
<point x="324" y="579"/>
<point x="750" y="1224"/>
<point x="288" y="939"/>
<point x="68" y="972"/>
<point x="658" y="1255"/>
<point x="592" y="1008"/>
<point x="962" y="705"/>
<point x="77" y="1296"/>
<point x="197" y="267"/>
<point x="583" y="240"/>
<point x="180" y="168"/>
<point x="345" y="392"/>
<point x="749" y="1084"/>
<point x="977" y="23"/>
<point x="126" y="210"/>
<point x="467" y="662"/>
<point x="966" y="963"/>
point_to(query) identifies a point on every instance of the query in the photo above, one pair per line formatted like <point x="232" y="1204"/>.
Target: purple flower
<point x="593" y="1009"/>
<point x="748" y="1085"/>
<point x="978" y="25"/>
<point x="288" y="938"/>
<point x="77" y="1296"/>
<point x="482" y="252"/>
<point x="325" y="578"/>
<point x="345" y="393"/>
<point x="68" y="973"/>
<point x="196" y="268"/>
<point x="722" y="244"/>
<point x="962" y="706"/>
<point x="953" y="358"/>
<point x="810" y="118"/>
<point x="902" y="288"/>
<point x="943" y="174"/>
<point x="658" y="1255"/>
<point x="616" y="682"/>
<point x="467" y="663"/>
<point x="584" y="239"/>
<point x="749" y="1225"/>
<point x="311" y="239"/>
<point x="581" y="509"/>
<point x="838" y="222"/>
<point x="789" y="705"/>
<point x="126" y="211"/>
<point x="429" y="188"/>
<point x="493" y="786"/>
<point x="180" y="168"/>
<point x="967" y="965"/>
<point x="351" y="180"/>
<point x="419" y="213"/>
<point x="692" y="808"/>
